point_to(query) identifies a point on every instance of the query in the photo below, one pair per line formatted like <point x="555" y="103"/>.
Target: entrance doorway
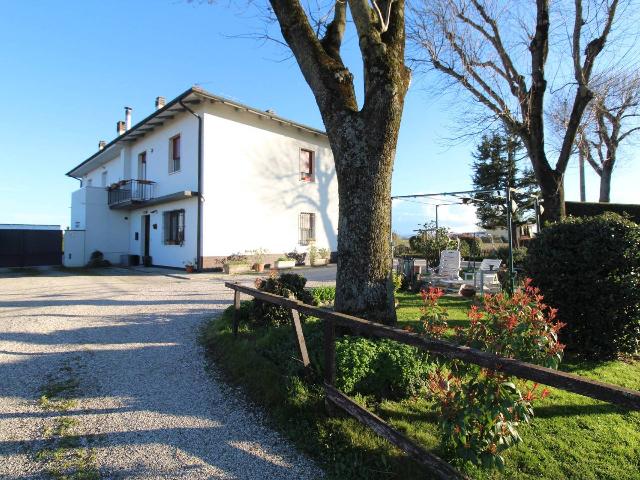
<point x="146" y="233"/>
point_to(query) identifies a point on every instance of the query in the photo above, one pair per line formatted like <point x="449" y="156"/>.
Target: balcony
<point x="127" y="194"/>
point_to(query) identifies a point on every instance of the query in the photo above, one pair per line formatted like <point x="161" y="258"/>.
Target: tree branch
<point x="334" y="34"/>
<point x="330" y="81"/>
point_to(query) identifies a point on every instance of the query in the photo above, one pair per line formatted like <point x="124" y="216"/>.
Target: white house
<point x="201" y="178"/>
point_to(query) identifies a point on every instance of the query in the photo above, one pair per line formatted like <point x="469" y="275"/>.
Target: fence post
<point x="297" y="326"/>
<point x="236" y="312"/>
<point x="329" y="360"/>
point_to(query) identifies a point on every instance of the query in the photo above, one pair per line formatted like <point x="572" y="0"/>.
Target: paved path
<point x="147" y="407"/>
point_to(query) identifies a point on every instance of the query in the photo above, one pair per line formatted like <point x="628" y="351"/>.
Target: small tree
<point x="430" y="241"/>
<point x="496" y="168"/>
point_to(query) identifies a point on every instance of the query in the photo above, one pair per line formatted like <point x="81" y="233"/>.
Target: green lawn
<point x="571" y="436"/>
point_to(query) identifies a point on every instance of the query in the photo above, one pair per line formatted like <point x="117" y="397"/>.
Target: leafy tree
<point x="496" y="168"/>
<point x="430" y="241"/>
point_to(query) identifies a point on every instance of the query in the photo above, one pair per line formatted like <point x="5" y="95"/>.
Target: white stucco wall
<point x="105" y="229"/>
<point x="161" y="254"/>
<point x="114" y="169"/>
<point x="253" y="194"/>
<point x="156" y="144"/>
<point x="74" y="249"/>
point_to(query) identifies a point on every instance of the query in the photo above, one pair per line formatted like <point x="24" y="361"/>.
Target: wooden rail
<point x="623" y="397"/>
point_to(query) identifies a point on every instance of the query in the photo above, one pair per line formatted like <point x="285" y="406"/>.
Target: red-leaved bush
<point x="518" y="326"/>
<point x="479" y="408"/>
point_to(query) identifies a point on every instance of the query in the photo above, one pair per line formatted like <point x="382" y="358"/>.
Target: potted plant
<point x="258" y="259"/>
<point x="190" y="265"/>
<point x="285" y="262"/>
<point x="322" y="257"/>
<point x="313" y="253"/>
<point x="236" y="263"/>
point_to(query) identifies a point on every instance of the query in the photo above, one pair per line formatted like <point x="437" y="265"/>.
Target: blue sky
<point x="69" y="68"/>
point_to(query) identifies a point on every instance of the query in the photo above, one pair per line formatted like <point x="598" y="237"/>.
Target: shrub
<point x="589" y="269"/>
<point x="323" y="295"/>
<point x="517" y="326"/>
<point x="398" y="280"/>
<point x="519" y="256"/>
<point x="470" y="246"/>
<point x="478" y="417"/>
<point x="97" y="260"/>
<point x="479" y="408"/>
<point x="297" y="256"/>
<point x="286" y="285"/>
<point x="384" y="368"/>
<point x="236" y="259"/>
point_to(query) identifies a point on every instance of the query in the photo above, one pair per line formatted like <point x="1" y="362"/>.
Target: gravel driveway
<point x="146" y="407"/>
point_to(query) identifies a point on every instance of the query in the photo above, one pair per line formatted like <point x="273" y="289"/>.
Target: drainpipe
<point x="199" y="230"/>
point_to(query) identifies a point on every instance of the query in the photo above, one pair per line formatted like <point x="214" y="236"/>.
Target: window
<point x="142" y="166"/>
<point x="103" y="179"/>
<point x="306" y="165"/>
<point x="174" y="154"/>
<point x="173" y="227"/>
<point x="307" y="228"/>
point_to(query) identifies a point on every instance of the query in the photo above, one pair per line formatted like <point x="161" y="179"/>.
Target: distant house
<point x="201" y="178"/>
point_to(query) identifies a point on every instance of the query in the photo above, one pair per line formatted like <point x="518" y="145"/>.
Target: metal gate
<point x="30" y="248"/>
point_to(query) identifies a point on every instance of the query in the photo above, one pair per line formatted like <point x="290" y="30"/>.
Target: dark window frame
<point x="175" y="160"/>
<point x="173" y="227"/>
<point x="308" y="171"/>
<point x="306" y="228"/>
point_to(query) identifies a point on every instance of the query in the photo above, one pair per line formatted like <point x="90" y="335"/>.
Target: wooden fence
<point x="623" y="397"/>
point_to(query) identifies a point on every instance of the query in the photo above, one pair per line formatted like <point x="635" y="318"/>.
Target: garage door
<point x="30" y="248"/>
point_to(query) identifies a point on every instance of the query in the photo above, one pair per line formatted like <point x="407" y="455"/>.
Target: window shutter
<point x="166" y="227"/>
<point x="180" y="225"/>
<point x="312" y="226"/>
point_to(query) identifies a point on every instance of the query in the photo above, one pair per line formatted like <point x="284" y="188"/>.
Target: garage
<point x="30" y="245"/>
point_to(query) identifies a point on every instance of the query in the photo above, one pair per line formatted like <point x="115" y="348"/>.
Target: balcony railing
<point x="127" y="192"/>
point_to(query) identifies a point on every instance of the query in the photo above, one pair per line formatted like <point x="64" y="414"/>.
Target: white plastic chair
<point x="486" y="277"/>
<point x="449" y="269"/>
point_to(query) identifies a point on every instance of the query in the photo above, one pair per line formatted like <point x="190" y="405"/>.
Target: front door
<point x="146" y="222"/>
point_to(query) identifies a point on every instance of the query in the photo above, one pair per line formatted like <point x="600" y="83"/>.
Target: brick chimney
<point x="160" y="102"/>
<point x="101" y="144"/>
<point x="121" y="127"/>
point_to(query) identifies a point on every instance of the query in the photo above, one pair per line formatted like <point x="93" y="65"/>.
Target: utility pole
<point x="583" y="189"/>
<point x="510" y="237"/>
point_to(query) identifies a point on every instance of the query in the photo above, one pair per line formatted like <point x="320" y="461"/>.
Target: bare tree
<point x="612" y="118"/>
<point x="498" y="53"/>
<point x="363" y="139"/>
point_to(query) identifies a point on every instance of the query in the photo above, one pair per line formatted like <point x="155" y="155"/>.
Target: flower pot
<point x="280" y="264"/>
<point x="190" y="268"/>
<point x="320" y="262"/>
<point x="236" y="268"/>
<point x="258" y="267"/>
<point x="467" y="291"/>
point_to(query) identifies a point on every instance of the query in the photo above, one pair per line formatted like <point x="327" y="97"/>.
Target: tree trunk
<point x="550" y="181"/>
<point x="605" y="183"/>
<point x="364" y="151"/>
<point x="364" y="249"/>
<point x="363" y="141"/>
